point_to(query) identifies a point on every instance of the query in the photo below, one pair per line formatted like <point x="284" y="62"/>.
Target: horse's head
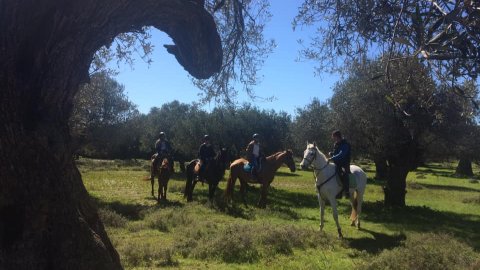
<point x="309" y="155"/>
<point x="289" y="160"/>
<point x="165" y="163"/>
<point x="223" y="158"/>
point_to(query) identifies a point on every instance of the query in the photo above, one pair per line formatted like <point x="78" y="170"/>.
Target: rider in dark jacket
<point x="206" y="153"/>
<point x="341" y="156"/>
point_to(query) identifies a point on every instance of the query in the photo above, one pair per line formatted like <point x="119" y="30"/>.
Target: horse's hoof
<point x="340" y="235"/>
<point x="352" y="224"/>
<point x="358" y="225"/>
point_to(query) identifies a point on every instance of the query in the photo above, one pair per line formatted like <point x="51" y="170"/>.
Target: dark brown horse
<point x="163" y="170"/>
<point x="265" y="176"/>
<point x="214" y="172"/>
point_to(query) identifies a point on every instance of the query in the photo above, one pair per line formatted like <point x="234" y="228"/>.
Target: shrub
<point x="234" y="244"/>
<point x="111" y="218"/>
<point x="163" y="219"/>
<point x="426" y="251"/>
<point x="474" y="200"/>
<point x="145" y="254"/>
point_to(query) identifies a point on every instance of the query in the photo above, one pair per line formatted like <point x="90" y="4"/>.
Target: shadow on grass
<point x="453" y="188"/>
<point x="424" y="219"/>
<point x="130" y="211"/>
<point x="286" y="174"/>
<point x="379" y="242"/>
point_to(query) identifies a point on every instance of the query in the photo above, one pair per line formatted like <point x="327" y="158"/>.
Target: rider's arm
<point x="342" y="152"/>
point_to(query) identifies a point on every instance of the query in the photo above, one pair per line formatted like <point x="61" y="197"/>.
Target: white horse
<point x="328" y="187"/>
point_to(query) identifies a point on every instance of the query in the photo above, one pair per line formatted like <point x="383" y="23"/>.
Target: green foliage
<point x="228" y="127"/>
<point x="426" y="251"/>
<point x="102" y="122"/>
<point x="432" y="30"/>
<point x="313" y="123"/>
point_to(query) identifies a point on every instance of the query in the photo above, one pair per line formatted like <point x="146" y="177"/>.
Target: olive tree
<point x="47" y="219"/>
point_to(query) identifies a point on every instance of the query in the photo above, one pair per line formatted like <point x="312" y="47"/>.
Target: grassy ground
<point x="438" y="230"/>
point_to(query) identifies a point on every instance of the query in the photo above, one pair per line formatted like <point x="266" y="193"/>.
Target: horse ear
<point x="307" y="143"/>
<point x="314" y="144"/>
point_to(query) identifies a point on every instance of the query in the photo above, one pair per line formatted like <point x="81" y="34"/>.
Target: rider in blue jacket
<point x="341" y="156"/>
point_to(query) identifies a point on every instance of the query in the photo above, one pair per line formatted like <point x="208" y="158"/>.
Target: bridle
<point x="310" y="161"/>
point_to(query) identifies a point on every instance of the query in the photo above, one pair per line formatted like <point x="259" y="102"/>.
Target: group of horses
<point x="326" y="180"/>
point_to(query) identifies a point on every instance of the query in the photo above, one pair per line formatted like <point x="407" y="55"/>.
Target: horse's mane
<point x="275" y="155"/>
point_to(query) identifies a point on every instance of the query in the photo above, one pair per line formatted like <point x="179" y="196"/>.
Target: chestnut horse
<point x="163" y="171"/>
<point x="214" y="172"/>
<point x="265" y="176"/>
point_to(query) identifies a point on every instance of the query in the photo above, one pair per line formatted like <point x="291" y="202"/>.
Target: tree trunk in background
<point x="464" y="167"/>
<point x="47" y="219"/>
<point x="406" y="159"/>
<point x="381" y="168"/>
<point x="395" y="188"/>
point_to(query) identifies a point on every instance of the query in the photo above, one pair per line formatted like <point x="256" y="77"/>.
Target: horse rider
<point x="206" y="153"/>
<point x="254" y="154"/>
<point x="341" y="156"/>
<point x="164" y="150"/>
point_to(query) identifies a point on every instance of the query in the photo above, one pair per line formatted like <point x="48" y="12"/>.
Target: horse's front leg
<point x="243" y="191"/>
<point x="333" y="203"/>
<point x="212" y="187"/>
<point x="263" y="196"/>
<point x="152" y="181"/>
<point x="159" y="191"/>
<point x="165" y="187"/>
<point x="321" y="203"/>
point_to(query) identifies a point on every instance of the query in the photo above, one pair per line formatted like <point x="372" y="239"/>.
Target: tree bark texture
<point x="381" y="168"/>
<point x="47" y="220"/>
<point x="405" y="160"/>
<point x="396" y="187"/>
<point x="464" y="167"/>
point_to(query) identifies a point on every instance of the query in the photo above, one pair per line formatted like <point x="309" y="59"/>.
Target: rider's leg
<point x="339" y="172"/>
<point x="346" y="180"/>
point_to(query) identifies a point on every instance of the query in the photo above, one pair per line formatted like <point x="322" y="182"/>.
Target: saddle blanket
<point x="247" y="168"/>
<point x="352" y="181"/>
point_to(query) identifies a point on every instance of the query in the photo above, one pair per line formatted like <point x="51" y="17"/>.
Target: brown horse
<point x="214" y="173"/>
<point x="163" y="171"/>
<point x="265" y="176"/>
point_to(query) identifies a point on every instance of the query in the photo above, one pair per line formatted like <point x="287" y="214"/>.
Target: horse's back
<point x="238" y="163"/>
<point x="360" y="176"/>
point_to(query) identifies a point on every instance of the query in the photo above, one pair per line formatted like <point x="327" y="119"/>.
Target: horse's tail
<point x="189" y="183"/>
<point x="230" y="185"/>
<point x="354" y="195"/>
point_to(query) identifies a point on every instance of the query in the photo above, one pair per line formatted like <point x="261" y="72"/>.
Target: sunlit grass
<point x="285" y="234"/>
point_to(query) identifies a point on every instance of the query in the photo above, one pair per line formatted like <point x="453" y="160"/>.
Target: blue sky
<point x="293" y="83"/>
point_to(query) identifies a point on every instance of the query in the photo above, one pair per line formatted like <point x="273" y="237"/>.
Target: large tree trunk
<point x="395" y="188"/>
<point x="47" y="220"/>
<point x="406" y="159"/>
<point x="381" y="168"/>
<point x="464" y="167"/>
